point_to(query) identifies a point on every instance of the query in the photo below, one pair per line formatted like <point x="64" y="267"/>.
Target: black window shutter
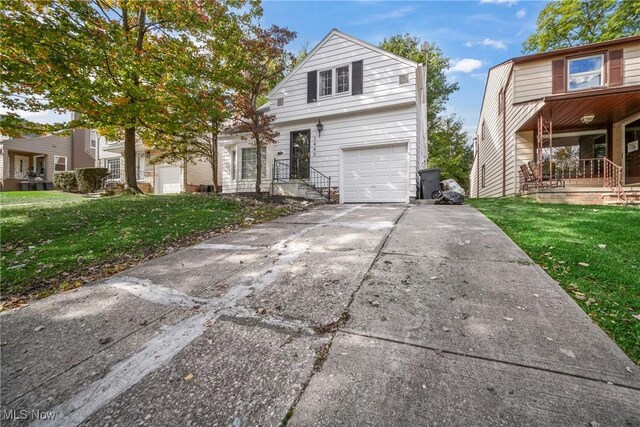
<point x="312" y="86"/>
<point x="356" y="77"/>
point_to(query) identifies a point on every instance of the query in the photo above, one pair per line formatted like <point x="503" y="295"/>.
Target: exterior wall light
<point x="587" y="118"/>
<point x="320" y="126"/>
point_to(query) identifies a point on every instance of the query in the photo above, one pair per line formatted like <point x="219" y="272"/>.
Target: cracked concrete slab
<point x="366" y="381"/>
<point x="336" y="237"/>
<point x="477" y="307"/>
<point x="317" y="288"/>
<point x="46" y="339"/>
<point x="455" y="232"/>
<point x="259" y="235"/>
<point x="194" y="271"/>
<point x="242" y="374"/>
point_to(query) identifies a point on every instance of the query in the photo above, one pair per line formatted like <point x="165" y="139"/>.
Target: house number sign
<point x="314" y="146"/>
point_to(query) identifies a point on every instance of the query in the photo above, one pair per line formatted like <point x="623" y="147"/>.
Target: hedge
<point x="65" y="181"/>
<point x="90" y="179"/>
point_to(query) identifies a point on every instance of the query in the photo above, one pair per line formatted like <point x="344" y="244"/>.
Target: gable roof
<point x="351" y="39"/>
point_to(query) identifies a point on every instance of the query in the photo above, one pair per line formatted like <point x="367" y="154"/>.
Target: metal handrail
<point x="316" y="180"/>
<point x="613" y="179"/>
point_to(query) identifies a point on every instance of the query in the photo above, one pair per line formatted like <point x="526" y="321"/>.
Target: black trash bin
<point x="48" y="185"/>
<point x="39" y="186"/>
<point x="429" y="182"/>
<point x="25" y="186"/>
<point x="203" y="188"/>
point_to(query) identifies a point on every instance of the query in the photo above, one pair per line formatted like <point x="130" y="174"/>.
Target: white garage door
<point x="168" y="179"/>
<point x="376" y="174"/>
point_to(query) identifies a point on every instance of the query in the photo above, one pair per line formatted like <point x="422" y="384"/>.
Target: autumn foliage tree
<point x="113" y="62"/>
<point x="266" y="60"/>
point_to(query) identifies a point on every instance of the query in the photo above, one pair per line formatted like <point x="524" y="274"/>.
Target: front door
<point x="40" y="166"/>
<point x="300" y="154"/>
<point x="632" y="153"/>
<point x="20" y="167"/>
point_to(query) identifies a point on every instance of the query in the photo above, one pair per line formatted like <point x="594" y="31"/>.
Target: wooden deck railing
<point x="582" y="170"/>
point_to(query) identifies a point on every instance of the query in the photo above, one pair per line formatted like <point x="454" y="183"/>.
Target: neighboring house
<point x="41" y="156"/>
<point x="350" y="113"/>
<point x="157" y="179"/>
<point x="574" y="113"/>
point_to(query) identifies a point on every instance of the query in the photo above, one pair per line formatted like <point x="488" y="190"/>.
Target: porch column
<point x="617" y="145"/>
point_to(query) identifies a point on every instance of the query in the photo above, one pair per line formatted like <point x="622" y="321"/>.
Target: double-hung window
<point x="249" y="163"/>
<point x="585" y="72"/>
<point x="326" y="82"/>
<point x="342" y="79"/>
<point x="113" y="165"/>
<point x="335" y="81"/>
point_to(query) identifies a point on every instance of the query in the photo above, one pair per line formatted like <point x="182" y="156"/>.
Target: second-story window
<point x="326" y="82"/>
<point x="585" y="72"/>
<point x="342" y="77"/>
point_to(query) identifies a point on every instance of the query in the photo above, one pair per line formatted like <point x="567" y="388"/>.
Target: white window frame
<point x="93" y="139"/>
<point x="581" y="58"/>
<point x="334" y="82"/>
<point x="112" y="160"/>
<point x="55" y="163"/>
<point x="264" y="163"/>
<point x="330" y="70"/>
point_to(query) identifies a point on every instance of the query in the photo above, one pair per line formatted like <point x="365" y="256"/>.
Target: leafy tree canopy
<point x="438" y="88"/>
<point x="567" y="23"/>
<point x="449" y="150"/>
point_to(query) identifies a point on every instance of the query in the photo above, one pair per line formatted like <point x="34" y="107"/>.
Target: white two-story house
<point x="352" y="123"/>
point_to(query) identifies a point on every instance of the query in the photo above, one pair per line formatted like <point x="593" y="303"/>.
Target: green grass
<point x="20" y="197"/>
<point x="62" y="244"/>
<point x="559" y="237"/>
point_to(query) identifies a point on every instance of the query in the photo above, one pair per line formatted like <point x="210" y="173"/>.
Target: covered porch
<point x="20" y="165"/>
<point x="582" y="143"/>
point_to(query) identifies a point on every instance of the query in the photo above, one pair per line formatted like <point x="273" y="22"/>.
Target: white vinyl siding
<point x="380" y="83"/>
<point x="532" y="80"/>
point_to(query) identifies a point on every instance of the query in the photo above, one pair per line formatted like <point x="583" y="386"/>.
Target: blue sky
<point x="476" y="35"/>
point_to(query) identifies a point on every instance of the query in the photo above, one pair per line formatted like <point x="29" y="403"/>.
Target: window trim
<point x="55" y="163"/>
<point x="109" y="161"/>
<point x="264" y="164"/>
<point x="334" y="81"/>
<point x="603" y="82"/>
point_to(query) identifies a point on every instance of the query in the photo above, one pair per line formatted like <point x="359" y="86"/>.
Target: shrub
<point x="65" y="181"/>
<point x="90" y="179"/>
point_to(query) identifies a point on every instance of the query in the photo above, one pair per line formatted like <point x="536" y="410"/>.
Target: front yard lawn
<point x="59" y="245"/>
<point x="22" y="197"/>
<point x="592" y="251"/>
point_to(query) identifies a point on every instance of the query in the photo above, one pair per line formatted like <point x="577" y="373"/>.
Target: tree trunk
<point x="214" y="160"/>
<point x="258" y="165"/>
<point x="131" y="183"/>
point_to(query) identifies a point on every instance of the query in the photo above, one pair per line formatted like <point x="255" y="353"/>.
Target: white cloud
<point x="394" y="14"/>
<point x="496" y="44"/>
<point x="505" y="2"/>
<point x="521" y="13"/>
<point x="465" y="65"/>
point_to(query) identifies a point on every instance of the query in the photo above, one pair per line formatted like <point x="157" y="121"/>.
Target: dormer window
<point x="586" y="72"/>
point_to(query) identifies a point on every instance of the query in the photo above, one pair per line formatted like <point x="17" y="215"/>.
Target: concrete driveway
<point x="341" y="315"/>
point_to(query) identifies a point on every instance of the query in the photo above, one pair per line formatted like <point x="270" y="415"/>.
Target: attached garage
<point x="168" y="179"/>
<point x="375" y="174"/>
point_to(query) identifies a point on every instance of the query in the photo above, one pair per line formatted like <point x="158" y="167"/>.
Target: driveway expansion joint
<point x="483" y="358"/>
